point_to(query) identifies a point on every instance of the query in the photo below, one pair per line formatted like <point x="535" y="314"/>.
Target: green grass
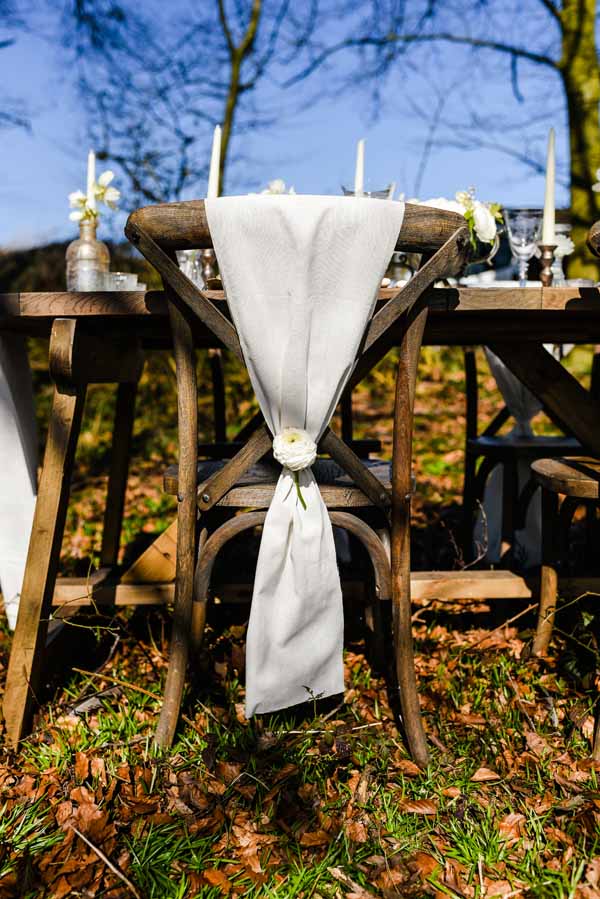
<point x="282" y="807"/>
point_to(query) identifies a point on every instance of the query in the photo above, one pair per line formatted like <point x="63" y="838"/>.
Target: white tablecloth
<point x="301" y="275"/>
<point x="18" y="467"/>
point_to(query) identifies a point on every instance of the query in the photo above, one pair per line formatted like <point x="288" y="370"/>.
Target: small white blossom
<point x="111" y="197"/>
<point x="105" y="178"/>
<point x="77" y="198"/>
<point x="76" y="216"/>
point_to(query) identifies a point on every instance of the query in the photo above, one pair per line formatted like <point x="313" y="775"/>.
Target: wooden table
<point x="100" y="337"/>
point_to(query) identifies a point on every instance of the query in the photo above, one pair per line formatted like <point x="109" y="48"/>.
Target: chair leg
<point x="27" y="653"/>
<point x="510" y="501"/>
<point x="548" y="574"/>
<point x="117" y="479"/>
<point x="596" y="739"/>
<point x="401" y="490"/>
<point x="199" y="603"/>
<point x="187" y="416"/>
<point x="469" y="504"/>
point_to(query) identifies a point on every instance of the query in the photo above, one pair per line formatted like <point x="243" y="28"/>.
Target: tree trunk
<point x="580" y="73"/>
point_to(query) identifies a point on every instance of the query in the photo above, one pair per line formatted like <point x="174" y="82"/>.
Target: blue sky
<point x="314" y="149"/>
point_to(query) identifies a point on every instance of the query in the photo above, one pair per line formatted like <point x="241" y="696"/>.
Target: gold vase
<point x="87" y="259"/>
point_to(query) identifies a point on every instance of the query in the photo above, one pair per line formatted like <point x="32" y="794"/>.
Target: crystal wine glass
<point x="523" y="227"/>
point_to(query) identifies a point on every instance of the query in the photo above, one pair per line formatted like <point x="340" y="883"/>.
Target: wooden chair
<point x="485" y="449"/>
<point x="349" y="488"/>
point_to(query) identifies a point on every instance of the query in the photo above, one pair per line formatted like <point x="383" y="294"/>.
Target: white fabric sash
<point x="301" y="274"/>
<point x="18" y="468"/>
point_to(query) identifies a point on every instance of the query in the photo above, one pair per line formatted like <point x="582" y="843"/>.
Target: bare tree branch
<point x="417" y="38"/>
<point x="552" y="9"/>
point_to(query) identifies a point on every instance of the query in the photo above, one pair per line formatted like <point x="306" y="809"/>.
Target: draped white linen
<point x="523" y="406"/>
<point x="301" y="275"/>
<point x="18" y="468"/>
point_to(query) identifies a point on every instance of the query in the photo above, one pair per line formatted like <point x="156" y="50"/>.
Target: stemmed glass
<point x="523" y="227"/>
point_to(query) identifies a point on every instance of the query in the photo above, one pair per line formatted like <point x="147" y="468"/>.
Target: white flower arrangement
<point x="295" y="449"/>
<point x="482" y="218"/>
<point x="564" y="246"/>
<point x="277" y="187"/>
<point x="78" y="201"/>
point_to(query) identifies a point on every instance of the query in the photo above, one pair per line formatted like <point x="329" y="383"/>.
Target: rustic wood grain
<point x="548" y="574"/>
<point x="181" y="226"/>
<point x="187" y="419"/>
<point x="27" y="651"/>
<point x="400" y="538"/>
<point x="577" y="476"/>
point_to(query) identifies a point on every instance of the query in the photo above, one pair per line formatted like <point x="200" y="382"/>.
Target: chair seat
<point x="255" y="488"/>
<point x="579" y="477"/>
<point x="528" y="447"/>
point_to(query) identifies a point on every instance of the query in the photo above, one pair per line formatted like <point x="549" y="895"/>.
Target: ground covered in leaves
<point x="326" y="804"/>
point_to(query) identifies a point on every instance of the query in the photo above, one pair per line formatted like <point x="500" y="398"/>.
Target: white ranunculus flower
<point x="294" y="449"/>
<point x="77" y="198"/>
<point x="76" y="216"/>
<point x="105" y="178"/>
<point x="484" y="221"/>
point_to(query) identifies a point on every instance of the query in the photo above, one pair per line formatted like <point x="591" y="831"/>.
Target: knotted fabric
<point x="301" y="274"/>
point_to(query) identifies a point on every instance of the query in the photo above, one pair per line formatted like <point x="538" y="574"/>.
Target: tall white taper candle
<point x="359" y="174"/>
<point x="548" y="235"/>
<point x="91" y="180"/>
<point x="215" y="162"/>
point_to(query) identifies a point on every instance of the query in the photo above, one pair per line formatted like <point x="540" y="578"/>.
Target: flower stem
<point x="298" y="491"/>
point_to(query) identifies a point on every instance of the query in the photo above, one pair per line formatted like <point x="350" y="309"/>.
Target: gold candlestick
<point x="547" y="251"/>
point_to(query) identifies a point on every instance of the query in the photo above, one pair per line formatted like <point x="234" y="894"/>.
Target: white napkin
<point x="301" y="275"/>
<point x="18" y="468"/>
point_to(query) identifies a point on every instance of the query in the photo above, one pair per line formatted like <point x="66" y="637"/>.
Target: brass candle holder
<point x="547" y="250"/>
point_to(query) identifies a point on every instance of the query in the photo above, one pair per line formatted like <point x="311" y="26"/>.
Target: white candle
<point x="548" y="235"/>
<point x="91" y="180"/>
<point x="215" y="164"/>
<point x="359" y="174"/>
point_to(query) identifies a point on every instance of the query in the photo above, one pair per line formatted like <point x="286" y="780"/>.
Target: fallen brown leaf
<point x="511" y="827"/>
<point x="315" y="838"/>
<point x="215" y="878"/>
<point x="419" y="806"/>
<point x="483" y="775"/>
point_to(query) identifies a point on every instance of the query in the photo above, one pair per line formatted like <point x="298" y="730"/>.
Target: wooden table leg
<point x="26" y="658"/>
<point x="77" y="358"/>
<point x="117" y="479"/>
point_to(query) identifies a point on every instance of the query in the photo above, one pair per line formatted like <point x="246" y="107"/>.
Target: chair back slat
<point x="183" y="226"/>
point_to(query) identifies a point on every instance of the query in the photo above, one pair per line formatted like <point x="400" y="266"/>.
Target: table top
<point x="459" y="315"/>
